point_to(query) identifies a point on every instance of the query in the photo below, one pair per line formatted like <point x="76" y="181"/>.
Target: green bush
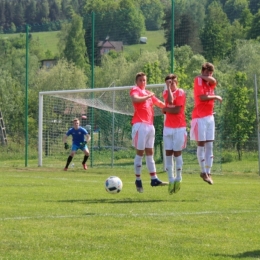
<point x="226" y="157"/>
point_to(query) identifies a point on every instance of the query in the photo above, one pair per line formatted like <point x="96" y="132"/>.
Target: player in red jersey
<point x="203" y="123"/>
<point x="174" y="131"/>
<point x="143" y="132"/>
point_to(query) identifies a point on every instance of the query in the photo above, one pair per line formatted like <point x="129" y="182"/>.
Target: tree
<point x="254" y="6"/>
<point x="246" y="18"/>
<point x="12" y="28"/>
<point x="237" y="119"/>
<point x="186" y="33"/>
<point x="188" y="20"/>
<point x="2" y="13"/>
<point x="9" y="13"/>
<point x="11" y="102"/>
<point x="62" y="76"/>
<point x="254" y="32"/>
<point x="235" y="8"/>
<point x="54" y="10"/>
<point x="75" y="48"/>
<point x="130" y="23"/>
<point x="245" y="58"/>
<point x="153" y="13"/>
<point x="18" y="19"/>
<point x="30" y="12"/>
<point x="42" y="11"/>
<point x="215" y="36"/>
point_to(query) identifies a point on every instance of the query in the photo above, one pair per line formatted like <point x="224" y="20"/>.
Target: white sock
<point x="138" y="164"/>
<point x="150" y="164"/>
<point x="208" y="156"/>
<point x="179" y="163"/>
<point x="201" y="158"/>
<point x="169" y="167"/>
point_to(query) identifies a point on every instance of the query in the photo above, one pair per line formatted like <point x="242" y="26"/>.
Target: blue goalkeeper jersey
<point x="78" y="136"/>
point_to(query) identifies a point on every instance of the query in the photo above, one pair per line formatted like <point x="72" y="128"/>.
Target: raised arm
<point x="209" y="79"/>
<point x="138" y="99"/>
<point x="172" y="110"/>
<point x="210" y="97"/>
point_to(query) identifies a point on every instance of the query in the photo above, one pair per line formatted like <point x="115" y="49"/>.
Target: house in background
<point x="48" y="63"/>
<point x="106" y="46"/>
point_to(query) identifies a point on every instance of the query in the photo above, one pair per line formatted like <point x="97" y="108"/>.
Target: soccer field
<point x="50" y="214"/>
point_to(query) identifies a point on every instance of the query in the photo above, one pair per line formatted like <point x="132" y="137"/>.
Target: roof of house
<point x="117" y="45"/>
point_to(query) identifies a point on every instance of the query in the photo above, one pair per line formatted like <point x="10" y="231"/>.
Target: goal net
<point x="106" y="114"/>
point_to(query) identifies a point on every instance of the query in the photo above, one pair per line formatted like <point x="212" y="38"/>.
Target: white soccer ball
<point x="113" y="185"/>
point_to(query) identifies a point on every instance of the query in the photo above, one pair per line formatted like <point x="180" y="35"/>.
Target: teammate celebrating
<point x="80" y="137"/>
<point x="203" y="123"/>
<point x="174" y="131"/>
<point x="143" y="132"/>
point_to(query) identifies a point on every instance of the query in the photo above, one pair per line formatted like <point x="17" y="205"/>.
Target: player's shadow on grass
<point x="251" y="254"/>
<point x="118" y="201"/>
<point x="114" y="201"/>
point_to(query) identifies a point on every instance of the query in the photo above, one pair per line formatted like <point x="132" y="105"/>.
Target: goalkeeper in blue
<point x="80" y="137"/>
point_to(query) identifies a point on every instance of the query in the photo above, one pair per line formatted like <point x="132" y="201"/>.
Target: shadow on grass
<point x="252" y="254"/>
<point x="110" y="201"/>
<point x="116" y="201"/>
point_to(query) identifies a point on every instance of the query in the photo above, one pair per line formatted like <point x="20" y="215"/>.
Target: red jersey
<point x="179" y="99"/>
<point x="202" y="108"/>
<point x="143" y="111"/>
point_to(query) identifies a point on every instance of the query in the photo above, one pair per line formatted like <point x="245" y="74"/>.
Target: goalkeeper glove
<point x="82" y="145"/>
<point x="66" y="146"/>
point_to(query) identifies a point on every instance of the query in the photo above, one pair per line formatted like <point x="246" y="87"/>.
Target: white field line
<point x="87" y="215"/>
<point x="92" y="181"/>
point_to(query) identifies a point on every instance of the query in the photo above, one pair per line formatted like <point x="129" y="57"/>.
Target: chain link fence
<point x="97" y="49"/>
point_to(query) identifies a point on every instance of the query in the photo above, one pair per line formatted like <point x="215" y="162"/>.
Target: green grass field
<point x="154" y="40"/>
<point x="49" y="41"/>
<point x="50" y="214"/>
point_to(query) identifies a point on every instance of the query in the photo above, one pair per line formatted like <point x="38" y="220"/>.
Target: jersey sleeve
<point x="69" y="132"/>
<point x="134" y="91"/>
<point x="180" y="99"/>
<point x="84" y="130"/>
<point x="198" y="87"/>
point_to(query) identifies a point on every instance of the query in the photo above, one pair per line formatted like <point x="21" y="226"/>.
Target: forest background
<point x="225" y="32"/>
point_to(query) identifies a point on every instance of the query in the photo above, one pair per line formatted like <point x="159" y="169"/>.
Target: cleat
<point x="210" y="179"/>
<point x="177" y="186"/>
<point x="65" y="169"/>
<point x="157" y="182"/>
<point x="85" y="167"/>
<point x="171" y="188"/>
<point x="206" y="178"/>
<point x="139" y="186"/>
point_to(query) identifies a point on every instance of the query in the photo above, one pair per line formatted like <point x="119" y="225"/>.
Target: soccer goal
<point x="106" y="113"/>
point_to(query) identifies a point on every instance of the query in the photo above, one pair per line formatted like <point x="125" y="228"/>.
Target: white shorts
<point x="174" y="138"/>
<point x="143" y="136"/>
<point x="202" y="129"/>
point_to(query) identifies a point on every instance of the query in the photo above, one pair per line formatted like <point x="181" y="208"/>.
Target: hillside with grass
<point x="49" y="41"/>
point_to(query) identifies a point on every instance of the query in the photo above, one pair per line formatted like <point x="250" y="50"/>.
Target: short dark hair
<point x="171" y="76"/>
<point x="139" y="74"/>
<point x="207" y="66"/>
